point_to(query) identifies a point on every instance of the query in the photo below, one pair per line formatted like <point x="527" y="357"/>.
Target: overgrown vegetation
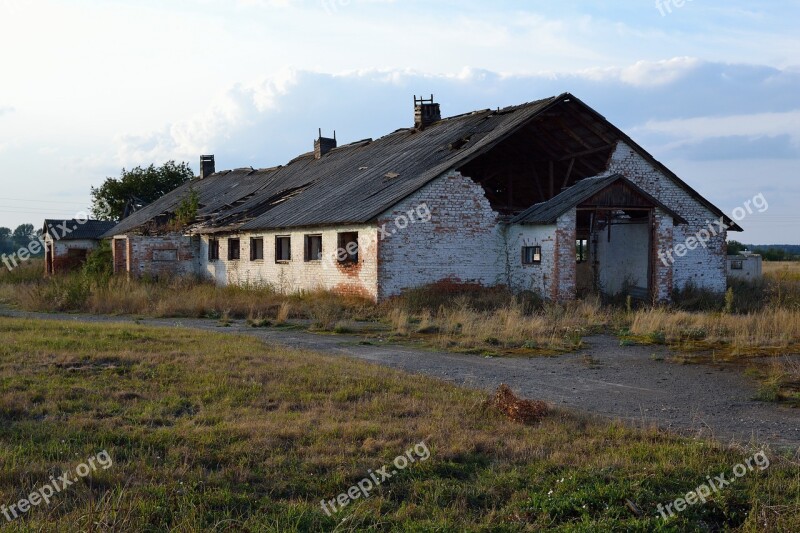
<point x="751" y="322"/>
<point x="187" y="209"/>
<point x="226" y="434"/>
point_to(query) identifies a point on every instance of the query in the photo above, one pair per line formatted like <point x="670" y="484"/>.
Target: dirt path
<point x="632" y="383"/>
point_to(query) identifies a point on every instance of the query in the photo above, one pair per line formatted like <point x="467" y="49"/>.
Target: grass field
<point x="776" y="267"/>
<point x="222" y="433"/>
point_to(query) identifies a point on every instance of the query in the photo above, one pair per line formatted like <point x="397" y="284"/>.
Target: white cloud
<point x="237" y="108"/>
<point x="647" y="73"/>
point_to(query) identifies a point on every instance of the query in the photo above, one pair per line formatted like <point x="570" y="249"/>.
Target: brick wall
<point x="704" y="267"/>
<point x="462" y="241"/>
<point x="298" y="274"/>
<point x="172" y="254"/>
<point x="663" y="239"/>
<point x="565" y="269"/>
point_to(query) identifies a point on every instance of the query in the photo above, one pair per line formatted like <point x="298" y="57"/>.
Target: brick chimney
<point x="426" y="112"/>
<point x="207" y="166"/>
<point x="323" y="145"/>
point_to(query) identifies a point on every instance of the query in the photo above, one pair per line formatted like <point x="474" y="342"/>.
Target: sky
<point x="89" y="87"/>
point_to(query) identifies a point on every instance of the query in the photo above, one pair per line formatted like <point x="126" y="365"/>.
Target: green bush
<point x="100" y="262"/>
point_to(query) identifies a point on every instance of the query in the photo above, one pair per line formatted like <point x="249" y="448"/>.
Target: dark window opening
<point x="234" y="250"/>
<point x="283" y="249"/>
<point x="737" y="265"/>
<point x="582" y="250"/>
<point x="531" y="255"/>
<point x="313" y="248"/>
<point x="257" y="249"/>
<point x="348" y="247"/>
<point x="213" y="249"/>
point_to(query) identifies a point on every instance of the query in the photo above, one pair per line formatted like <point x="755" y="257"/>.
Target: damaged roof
<point x="74" y="230"/>
<point x="351" y="184"/>
<point x="549" y="211"/>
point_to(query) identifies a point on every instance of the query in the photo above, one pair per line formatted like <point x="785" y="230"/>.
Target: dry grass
<point x="508" y="329"/>
<point x="481" y="320"/>
<point x="769" y="332"/>
<point x="555" y="327"/>
<point x="179" y="297"/>
<point x="777" y="268"/>
<point x="222" y="433"/>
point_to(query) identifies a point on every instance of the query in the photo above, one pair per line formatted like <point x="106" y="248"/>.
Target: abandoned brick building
<point x="547" y="196"/>
<point x="67" y="243"/>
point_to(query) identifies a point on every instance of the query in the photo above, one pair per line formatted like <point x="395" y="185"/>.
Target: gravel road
<point x="632" y="383"/>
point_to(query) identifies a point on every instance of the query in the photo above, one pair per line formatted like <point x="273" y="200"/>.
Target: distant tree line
<point x="770" y="252"/>
<point x="11" y="241"/>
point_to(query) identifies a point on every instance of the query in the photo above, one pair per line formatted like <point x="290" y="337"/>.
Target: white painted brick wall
<point x="297" y="274"/>
<point x="705" y="267"/>
<point x="537" y="278"/>
<point x="462" y="242"/>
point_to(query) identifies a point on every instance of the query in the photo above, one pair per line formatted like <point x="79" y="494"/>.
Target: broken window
<point x="213" y="249"/>
<point x="257" y="249"/>
<point x="234" y="250"/>
<point x="313" y="248"/>
<point x="737" y="265"/>
<point x="531" y="255"/>
<point x="348" y="247"/>
<point x="283" y="249"/>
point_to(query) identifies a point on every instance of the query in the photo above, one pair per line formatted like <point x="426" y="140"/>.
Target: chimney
<point x="426" y="112"/>
<point x="323" y="145"/>
<point x="207" y="166"/>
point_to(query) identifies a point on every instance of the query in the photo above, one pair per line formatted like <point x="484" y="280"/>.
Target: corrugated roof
<point x="349" y="185"/>
<point x="549" y="211"/>
<point x="73" y="230"/>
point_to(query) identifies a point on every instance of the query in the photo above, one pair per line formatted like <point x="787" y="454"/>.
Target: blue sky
<point x="711" y="88"/>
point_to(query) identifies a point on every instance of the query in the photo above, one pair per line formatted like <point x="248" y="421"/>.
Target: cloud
<point x="228" y="118"/>
<point x="6" y="110"/>
<point x="648" y="73"/>
<point x="683" y="107"/>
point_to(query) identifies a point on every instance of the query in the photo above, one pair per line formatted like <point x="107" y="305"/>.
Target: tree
<point x="6" y="241"/>
<point x="138" y="186"/>
<point x="23" y="235"/>
<point x="734" y="247"/>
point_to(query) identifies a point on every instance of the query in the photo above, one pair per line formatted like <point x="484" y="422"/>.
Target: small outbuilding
<point x="746" y="266"/>
<point x="68" y="242"/>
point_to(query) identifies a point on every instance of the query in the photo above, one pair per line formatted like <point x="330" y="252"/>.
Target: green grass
<point x="218" y="432"/>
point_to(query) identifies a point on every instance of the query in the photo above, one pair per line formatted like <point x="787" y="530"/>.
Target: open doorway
<point x="615" y="252"/>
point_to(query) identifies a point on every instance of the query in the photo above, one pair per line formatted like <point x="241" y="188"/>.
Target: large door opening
<point x="618" y="256"/>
